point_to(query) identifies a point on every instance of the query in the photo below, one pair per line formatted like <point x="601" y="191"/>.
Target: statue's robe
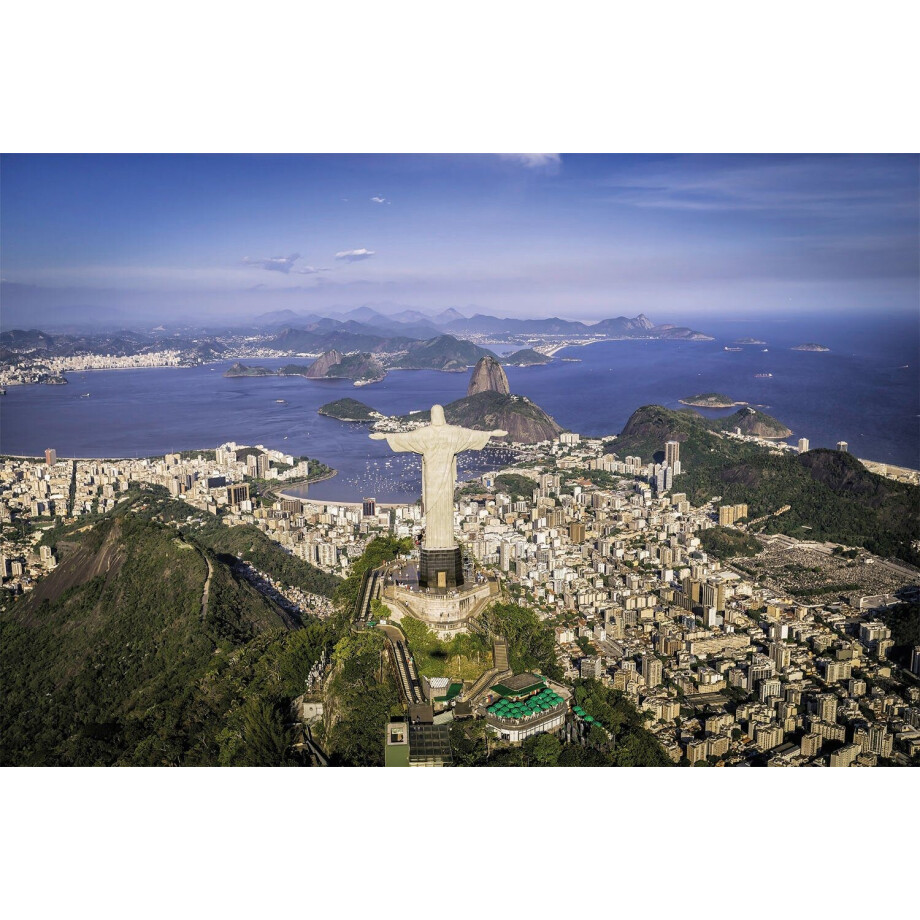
<point x="439" y="446"/>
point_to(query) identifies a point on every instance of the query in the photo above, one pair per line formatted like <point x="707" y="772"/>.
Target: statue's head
<point x="437" y="415"/>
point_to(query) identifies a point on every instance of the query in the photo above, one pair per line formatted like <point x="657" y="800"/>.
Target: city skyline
<point x="132" y="239"/>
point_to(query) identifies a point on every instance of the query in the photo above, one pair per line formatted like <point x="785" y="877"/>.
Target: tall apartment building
<point x="768" y="736"/>
<point x="238" y="493"/>
<point x="826" y="707"/>
<point x="591" y="668"/>
<point x="712" y="594"/>
<point x="770" y="688"/>
<point x="803" y="446"/>
<point x="811" y="744"/>
<point x="829" y="731"/>
<point x="759" y="669"/>
<point x="836" y="670"/>
<point x="845" y="756"/>
<point x="672" y="452"/>
<point x="781" y="655"/>
<point x="672" y="456"/>
<point x="697" y="749"/>
<point x="50" y="456"/>
<point x="881" y="741"/>
<point x="651" y="670"/>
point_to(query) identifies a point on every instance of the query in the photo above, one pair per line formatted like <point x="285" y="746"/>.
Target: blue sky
<point x="144" y="238"/>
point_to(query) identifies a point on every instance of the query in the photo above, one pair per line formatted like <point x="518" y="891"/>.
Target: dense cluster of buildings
<point x="729" y="669"/>
<point x="41" y="369"/>
<point x="34" y="493"/>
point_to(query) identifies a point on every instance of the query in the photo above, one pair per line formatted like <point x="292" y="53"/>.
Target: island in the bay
<point x="350" y="410"/>
<point x="489" y="404"/>
<point x="526" y="357"/>
<point x="810" y="346"/>
<point x="711" y="401"/>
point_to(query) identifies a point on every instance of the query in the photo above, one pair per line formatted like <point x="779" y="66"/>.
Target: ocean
<point x="864" y="391"/>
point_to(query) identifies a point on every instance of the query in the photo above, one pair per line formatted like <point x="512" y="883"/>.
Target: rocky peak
<point x="643" y="322"/>
<point x="488" y="375"/>
<point x="320" y="367"/>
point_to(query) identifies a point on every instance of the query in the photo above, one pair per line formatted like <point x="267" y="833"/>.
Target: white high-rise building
<point x="672" y="453"/>
<point x="803" y="445"/>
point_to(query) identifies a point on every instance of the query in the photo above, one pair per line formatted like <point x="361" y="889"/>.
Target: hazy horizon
<point x="125" y="241"/>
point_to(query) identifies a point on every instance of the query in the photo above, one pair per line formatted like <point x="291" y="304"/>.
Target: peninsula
<point x="753" y="423"/>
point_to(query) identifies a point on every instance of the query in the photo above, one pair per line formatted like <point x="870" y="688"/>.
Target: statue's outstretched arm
<point x="400" y="442"/>
<point x="498" y="433"/>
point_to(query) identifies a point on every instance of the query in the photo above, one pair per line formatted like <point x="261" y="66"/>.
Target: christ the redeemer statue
<point x="441" y="563"/>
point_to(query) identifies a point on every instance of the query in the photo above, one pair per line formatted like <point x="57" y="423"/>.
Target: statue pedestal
<point x="440" y="569"/>
<point x="445" y="613"/>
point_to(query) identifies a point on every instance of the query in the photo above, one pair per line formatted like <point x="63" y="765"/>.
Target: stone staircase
<point x="498" y="672"/>
<point x="500" y="653"/>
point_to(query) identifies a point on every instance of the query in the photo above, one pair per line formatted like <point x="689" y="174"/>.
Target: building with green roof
<point x="526" y="706"/>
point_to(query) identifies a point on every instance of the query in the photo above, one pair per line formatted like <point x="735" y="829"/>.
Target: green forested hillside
<point x="723" y="543"/>
<point x="517" y="485"/>
<point x="144" y="648"/>
<point x="247" y="542"/>
<point x="830" y="494"/>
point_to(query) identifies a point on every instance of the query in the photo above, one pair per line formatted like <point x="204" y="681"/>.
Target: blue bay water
<point x="864" y="391"/>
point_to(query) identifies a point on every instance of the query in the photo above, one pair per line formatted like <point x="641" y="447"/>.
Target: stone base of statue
<point x="440" y="569"/>
<point x="446" y="613"/>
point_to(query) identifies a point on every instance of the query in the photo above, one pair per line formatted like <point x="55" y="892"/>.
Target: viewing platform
<point x="446" y="612"/>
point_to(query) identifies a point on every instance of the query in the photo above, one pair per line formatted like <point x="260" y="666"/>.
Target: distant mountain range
<point x="414" y="323"/>
<point x="430" y="342"/>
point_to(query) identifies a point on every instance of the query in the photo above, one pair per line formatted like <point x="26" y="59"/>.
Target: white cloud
<point x="550" y="162"/>
<point x="275" y="263"/>
<point x="377" y="199"/>
<point x="354" y="255"/>
<point x="283" y="264"/>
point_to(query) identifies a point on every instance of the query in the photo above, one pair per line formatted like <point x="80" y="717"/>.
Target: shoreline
<point x="552" y="350"/>
<point x="320" y="502"/>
